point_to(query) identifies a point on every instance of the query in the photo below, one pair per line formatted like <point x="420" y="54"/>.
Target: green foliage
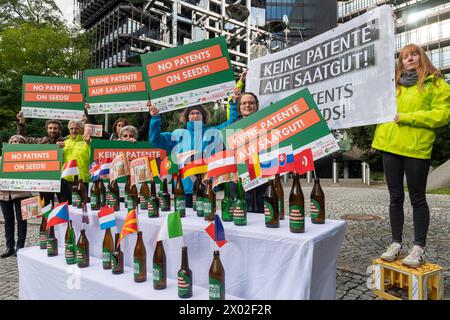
<point x="441" y="147"/>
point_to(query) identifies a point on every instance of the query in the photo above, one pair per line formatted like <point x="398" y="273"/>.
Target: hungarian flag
<point x="253" y="166"/>
<point x="129" y="226"/>
<point x="221" y="163"/>
<point x="70" y="168"/>
<point x="171" y="227"/>
<point x="277" y="161"/>
<point x="194" y="164"/>
<point x="45" y="211"/>
<point x="59" y="214"/>
<point x="304" y="161"/>
<point x="216" y="232"/>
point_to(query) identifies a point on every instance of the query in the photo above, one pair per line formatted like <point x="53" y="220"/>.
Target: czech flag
<point x="216" y="232"/>
<point x="277" y="161"/>
<point x="106" y="217"/>
<point x="59" y="214"/>
<point x="221" y="163"/>
<point x="70" y="168"/>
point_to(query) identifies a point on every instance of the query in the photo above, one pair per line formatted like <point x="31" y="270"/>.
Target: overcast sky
<point x="66" y="7"/>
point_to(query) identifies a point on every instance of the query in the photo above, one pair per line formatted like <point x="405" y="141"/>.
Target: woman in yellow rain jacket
<point x="423" y="104"/>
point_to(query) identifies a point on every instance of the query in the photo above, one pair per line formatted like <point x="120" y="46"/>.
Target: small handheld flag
<point x="59" y="214"/>
<point x="70" y="168"/>
<point x="129" y="226"/>
<point x="216" y="232"/>
<point x="106" y="217"/>
<point x="304" y="161"/>
<point x="94" y="171"/>
<point x="171" y="227"/>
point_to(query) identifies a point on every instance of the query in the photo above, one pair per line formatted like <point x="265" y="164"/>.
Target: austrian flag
<point x="70" y="168"/>
<point x="221" y="163"/>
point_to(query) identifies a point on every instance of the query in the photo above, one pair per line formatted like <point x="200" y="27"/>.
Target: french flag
<point x="106" y="217"/>
<point x="94" y="170"/>
<point x="277" y="161"/>
<point x="104" y="167"/>
<point x="70" y="168"/>
<point x="59" y="214"/>
<point x="216" y="232"/>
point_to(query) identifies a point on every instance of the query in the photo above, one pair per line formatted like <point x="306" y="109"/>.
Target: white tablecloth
<point x="259" y="262"/>
<point x="42" y="277"/>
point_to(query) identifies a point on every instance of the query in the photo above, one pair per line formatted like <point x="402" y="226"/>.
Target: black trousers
<point x="49" y="197"/>
<point x="254" y="197"/>
<point x="66" y="191"/>
<point x="416" y="170"/>
<point x="8" y="208"/>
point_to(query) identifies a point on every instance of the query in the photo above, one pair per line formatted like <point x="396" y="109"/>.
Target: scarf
<point x="408" y="78"/>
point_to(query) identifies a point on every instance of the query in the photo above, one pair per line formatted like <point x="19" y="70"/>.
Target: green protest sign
<point x="52" y="98"/>
<point x="116" y="90"/>
<point x="189" y="75"/>
<point x="30" y="167"/>
<point x="295" y="121"/>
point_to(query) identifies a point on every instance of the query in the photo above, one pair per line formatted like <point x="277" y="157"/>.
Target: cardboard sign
<point x="52" y="98"/>
<point x="294" y="120"/>
<point x="94" y="130"/>
<point x="119" y="167"/>
<point x="189" y="75"/>
<point x="116" y="90"/>
<point x="30" y="167"/>
<point x="140" y="170"/>
<point x="30" y="207"/>
<point x="101" y="149"/>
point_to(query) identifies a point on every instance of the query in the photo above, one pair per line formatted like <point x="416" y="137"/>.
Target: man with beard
<point x="53" y="128"/>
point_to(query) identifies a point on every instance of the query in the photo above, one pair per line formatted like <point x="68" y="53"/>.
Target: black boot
<point x="9" y="252"/>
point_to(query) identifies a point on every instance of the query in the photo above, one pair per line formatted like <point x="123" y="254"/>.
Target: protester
<point x="128" y="133"/>
<point x="76" y="147"/>
<point x="10" y="205"/>
<point x="185" y="140"/>
<point x="423" y="104"/>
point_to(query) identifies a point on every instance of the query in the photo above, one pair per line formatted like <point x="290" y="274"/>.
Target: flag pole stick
<point x="314" y="171"/>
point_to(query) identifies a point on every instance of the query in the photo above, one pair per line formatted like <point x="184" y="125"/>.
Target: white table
<point x="50" y="278"/>
<point x="260" y="263"/>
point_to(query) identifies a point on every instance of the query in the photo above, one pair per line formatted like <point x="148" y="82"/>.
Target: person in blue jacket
<point x="194" y="136"/>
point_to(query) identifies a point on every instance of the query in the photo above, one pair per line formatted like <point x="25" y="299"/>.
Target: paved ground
<point x="364" y="240"/>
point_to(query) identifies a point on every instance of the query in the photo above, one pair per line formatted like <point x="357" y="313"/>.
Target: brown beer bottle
<point x="83" y="250"/>
<point x="271" y="207"/>
<point x="184" y="276"/>
<point x="132" y="197"/>
<point x="52" y="243"/>
<point x="102" y="188"/>
<point x="113" y="198"/>
<point x="144" y="196"/>
<point x="107" y="249"/>
<point x="43" y="234"/>
<point x="76" y="195"/>
<point x="280" y="195"/>
<point x="296" y="207"/>
<point x="159" y="267"/>
<point x="216" y="279"/>
<point x="140" y="260"/>
<point x="200" y="197"/>
<point x="209" y="203"/>
<point x="117" y="257"/>
<point x="83" y="193"/>
<point x="165" y="197"/>
<point x="127" y="190"/>
<point x="95" y="196"/>
<point x="153" y="204"/>
<point x="70" y="245"/>
<point x="180" y="199"/>
<point x="317" y="203"/>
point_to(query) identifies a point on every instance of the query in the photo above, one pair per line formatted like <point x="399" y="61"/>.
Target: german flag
<point x="194" y="164"/>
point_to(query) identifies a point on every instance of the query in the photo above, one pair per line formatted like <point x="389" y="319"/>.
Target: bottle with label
<point x="209" y="203"/>
<point x="102" y="188"/>
<point x="83" y="194"/>
<point x="160" y="194"/>
<point x="76" y="195"/>
<point x="132" y="197"/>
<point x="159" y="267"/>
<point x="227" y="204"/>
<point x="95" y="196"/>
<point x="117" y="257"/>
<point x="194" y="191"/>
<point x="240" y="206"/>
<point x="113" y="195"/>
<point x="107" y="249"/>
<point x="180" y="199"/>
<point x="296" y="207"/>
<point x="127" y="190"/>
<point x="144" y="196"/>
<point x="184" y="276"/>
<point x="165" y="197"/>
<point x="153" y="204"/>
<point x="216" y="279"/>
<point x="280" y="195"/>
<point x="70" y="245"/>
<point x="83" y="250"/>
<point x="140" y="260"/>
<point x="271" y="213"/>
<point x="43" y="234"/>
<point x="52" y="243"/>
<point x="200" y="197"/>
<point x="317" y="203"/>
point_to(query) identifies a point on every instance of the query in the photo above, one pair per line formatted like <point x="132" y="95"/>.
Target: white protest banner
<point x="349" y="71"/>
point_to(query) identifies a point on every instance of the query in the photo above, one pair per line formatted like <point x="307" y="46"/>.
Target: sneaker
<point x="392" y="252"/>
<point x="415" y="258"/>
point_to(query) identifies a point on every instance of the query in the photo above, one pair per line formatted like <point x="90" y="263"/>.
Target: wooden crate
<point x="422" y="283"/>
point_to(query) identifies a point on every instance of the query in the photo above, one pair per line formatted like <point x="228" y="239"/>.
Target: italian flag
<point x="171" y="227"/>
<point x="70" y="168"/>
<point x="45" y="211"/>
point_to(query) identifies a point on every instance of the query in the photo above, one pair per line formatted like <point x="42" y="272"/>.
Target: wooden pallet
<point x="422" y="283"/>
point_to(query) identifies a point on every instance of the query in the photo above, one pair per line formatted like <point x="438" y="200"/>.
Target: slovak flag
<point x="216" y="232"/>
<point x="106" y="217"/>
<point x="70" y="168"/>
<point x="104" y="167"/>
<point x="94" y="170"/>
<point x="59" y="214"/>
<point x="221" y="163"/>
<point x="277" y="161"/>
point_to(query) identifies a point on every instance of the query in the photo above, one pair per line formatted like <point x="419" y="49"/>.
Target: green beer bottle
<point x="227" y="204"/>
<point x="240" y="206"/>
<point x="70" y="245"/>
